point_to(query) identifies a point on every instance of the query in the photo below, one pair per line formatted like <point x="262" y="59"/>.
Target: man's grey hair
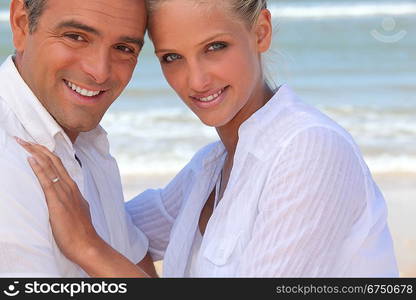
<point x="34" y="9"/>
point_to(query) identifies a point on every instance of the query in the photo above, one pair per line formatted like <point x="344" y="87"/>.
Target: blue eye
<point x="217" y="46"/>
<point x="168" y="58"/>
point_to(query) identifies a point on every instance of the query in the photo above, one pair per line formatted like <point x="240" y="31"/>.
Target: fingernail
<point x="20" y="141"/>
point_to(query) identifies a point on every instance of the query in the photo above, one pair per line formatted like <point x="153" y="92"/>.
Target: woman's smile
<point x="210" y="99"/>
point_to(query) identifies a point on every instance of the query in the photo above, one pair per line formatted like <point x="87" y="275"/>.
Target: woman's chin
<point x="213" y="122"/>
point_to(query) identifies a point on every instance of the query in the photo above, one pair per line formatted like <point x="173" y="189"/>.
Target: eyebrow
<point x="213" y="37"/>
<point x="131" y="40"/>
<point x="77" y="25"/>
<point x="201" y="43"/>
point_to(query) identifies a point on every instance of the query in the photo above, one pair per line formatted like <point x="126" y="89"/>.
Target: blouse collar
<point x="251" y="128"/>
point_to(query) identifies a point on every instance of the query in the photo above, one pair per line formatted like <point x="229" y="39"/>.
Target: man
<point x="73" y="59"/>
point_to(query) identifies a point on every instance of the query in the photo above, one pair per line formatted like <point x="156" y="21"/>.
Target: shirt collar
<point x="260" y="122"/>
<point x="34" y="117"/>
<point x="96" y="138"/>
<point x="253" y="127"/>
<point x="268" y="112"/>
<point x="214" y="153"/>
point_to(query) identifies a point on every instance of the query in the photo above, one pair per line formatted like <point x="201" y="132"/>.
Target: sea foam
<point x="337" y="10"/>
<point x="4" y="16"/>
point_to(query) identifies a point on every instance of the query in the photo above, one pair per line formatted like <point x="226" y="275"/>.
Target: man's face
<point x="80" y="57"/>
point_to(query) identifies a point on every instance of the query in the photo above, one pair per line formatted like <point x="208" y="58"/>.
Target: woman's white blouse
<point x="194" y="256"/>
<point x="300" y="202"/>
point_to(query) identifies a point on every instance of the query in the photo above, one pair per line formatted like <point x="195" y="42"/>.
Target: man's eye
<point x="217" y="46"/>
<point x="125" y="49"/>
<point x="171" y="57"/>
<point x="75" y="37"/>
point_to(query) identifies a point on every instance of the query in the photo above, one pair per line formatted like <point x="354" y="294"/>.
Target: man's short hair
<point x="34" y="9"/>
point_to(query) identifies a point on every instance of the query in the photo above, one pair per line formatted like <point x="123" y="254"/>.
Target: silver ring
<point x="55" y="180"/>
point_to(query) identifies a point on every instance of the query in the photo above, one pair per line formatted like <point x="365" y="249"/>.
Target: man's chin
<point x="74" y="131"/>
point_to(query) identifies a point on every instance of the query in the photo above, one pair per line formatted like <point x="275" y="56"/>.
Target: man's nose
<point x="97" y="65"/>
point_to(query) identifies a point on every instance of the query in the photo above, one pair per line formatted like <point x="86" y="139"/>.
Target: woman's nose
<point x="199" y="77"/>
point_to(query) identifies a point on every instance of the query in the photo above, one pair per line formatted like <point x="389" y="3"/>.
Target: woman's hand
<point x="69" y="213"/>
<point x="70" y="219"/>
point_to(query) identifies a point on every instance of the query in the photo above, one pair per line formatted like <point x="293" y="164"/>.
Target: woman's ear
<point x="264" y="30"/>
<point x="19" y="22"/>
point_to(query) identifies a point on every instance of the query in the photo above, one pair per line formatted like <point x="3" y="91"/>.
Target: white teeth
<point x="82" y="91"/>
<point x="211" y="97"/>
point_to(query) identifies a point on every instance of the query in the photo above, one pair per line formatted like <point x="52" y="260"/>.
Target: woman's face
<point x="209" y="57"/>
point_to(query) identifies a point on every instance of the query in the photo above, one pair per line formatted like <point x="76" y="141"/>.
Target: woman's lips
<point x="209" y="100"/>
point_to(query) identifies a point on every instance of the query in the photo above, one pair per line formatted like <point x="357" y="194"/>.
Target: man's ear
<point x="19" y="22"/>
<point x="263" y="30"/>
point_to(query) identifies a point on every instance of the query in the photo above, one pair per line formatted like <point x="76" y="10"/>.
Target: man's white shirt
<point x="27" y="246"/>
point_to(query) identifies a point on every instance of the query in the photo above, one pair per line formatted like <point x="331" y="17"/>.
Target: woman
<point x="284" y="193"/>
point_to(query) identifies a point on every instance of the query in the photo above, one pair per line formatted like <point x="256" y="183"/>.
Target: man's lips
<point x="85" y="92"/>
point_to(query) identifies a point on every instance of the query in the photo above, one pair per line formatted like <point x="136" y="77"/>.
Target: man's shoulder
<point x="5" y="137"/>
<point x="13" y="158"/>
<point x="8" y="146"/>
<point x="7" y="121"/>
<point x="10" y="126"/>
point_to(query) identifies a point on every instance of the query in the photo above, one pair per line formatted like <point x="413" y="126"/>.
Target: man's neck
<point x="72" y="135"/>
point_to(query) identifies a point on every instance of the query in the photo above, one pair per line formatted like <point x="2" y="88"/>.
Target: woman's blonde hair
<point x="247" y="10"/>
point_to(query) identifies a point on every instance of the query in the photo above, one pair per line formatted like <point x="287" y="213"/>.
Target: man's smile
<point x="82" y="91"/>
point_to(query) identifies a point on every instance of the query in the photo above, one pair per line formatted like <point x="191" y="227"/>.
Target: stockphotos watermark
<point x="388" y="33"/>
<point x="60" y="288"/>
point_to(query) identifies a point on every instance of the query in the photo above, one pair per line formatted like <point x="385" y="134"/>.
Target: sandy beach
<point x="399" y="191"/>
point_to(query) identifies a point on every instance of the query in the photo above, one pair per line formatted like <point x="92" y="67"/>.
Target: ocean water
<point x="354" y="60"/>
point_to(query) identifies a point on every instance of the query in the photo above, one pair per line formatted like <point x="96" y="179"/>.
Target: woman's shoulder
<point x="290" y="116"/>
<point x="285" y="120"/>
